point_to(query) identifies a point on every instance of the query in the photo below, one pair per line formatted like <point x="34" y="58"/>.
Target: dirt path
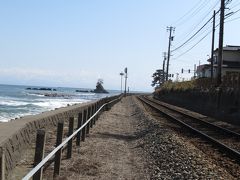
<point x="111" y="150"/>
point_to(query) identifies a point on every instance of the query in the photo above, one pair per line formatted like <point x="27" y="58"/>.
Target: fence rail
<point x="56" y="153"/>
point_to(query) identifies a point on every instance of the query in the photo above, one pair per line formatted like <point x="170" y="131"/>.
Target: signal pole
<point x="170" y="29"/>
<point x="121" y="74"/>
<point x="125" y="91"/>
<point x="220" y="48"/>
<point x="213" y="39"/>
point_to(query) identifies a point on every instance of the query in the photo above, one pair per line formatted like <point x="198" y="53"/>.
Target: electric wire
<point x="233" y="19"/>
<point x="197" y="32"/>
<point x="233" y="13"/>
<point x="187" y="13"/>
<point x="193" y="45"/>
<point x="192" y="35"/>
<point x="234" y="5"/>
<point x="202" y="19"/>
<point x="194" y="13"/>
<point x="207" y="35"/>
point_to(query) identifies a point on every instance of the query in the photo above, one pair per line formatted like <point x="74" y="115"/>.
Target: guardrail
<point x="80" y="134"/>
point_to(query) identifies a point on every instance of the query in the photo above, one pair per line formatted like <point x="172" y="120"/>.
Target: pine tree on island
<point x="99" y="87"/>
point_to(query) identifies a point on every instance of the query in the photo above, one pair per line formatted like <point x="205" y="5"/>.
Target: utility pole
<point x="170" y="29"/>
<point x="125" y="91"/>
<point x="213" y="39"/>
<point x="164" y="59"/>
<point x="220" y="48"/>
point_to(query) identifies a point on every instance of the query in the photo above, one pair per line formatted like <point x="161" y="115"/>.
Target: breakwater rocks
<point x="57" y="95"/>
<point x="84" y="91"/>
<point x="15" y="136"/>
<point x="41" y="89"/>
<point x="219" y="103"/>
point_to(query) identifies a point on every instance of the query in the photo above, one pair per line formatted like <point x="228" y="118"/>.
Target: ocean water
<point x="16" y="101"/>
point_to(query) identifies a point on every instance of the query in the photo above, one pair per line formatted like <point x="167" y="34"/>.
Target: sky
<point x="74" y="43"/>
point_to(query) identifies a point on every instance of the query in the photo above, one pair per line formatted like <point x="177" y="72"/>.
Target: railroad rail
<point x="225" y="140"/>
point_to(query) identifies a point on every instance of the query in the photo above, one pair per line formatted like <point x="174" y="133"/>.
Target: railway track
<point x="225" y="140"/>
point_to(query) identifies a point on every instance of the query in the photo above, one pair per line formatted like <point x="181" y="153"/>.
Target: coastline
<point x="16" y="135"/>
<point x="8" y="128"/>
<point x="17" y="101"/>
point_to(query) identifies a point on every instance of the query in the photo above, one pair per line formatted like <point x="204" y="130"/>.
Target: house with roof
<point x="231" y="62"/>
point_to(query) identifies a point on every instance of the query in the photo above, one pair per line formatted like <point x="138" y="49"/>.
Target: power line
<point x="193" y="35"/>
<point x="188" y="16"/>
<point x="196" y="43"/>
<point x="235" y="5"/>
<point x="202" y="19"/>
<point x="203" y="33"/>
<point x="179" y="19"/>
<point x="233" y="13"/>
<point x="207" y="35"/>
<point x="232" y="19"/>
<point x="193" y="45"/>
<point x="210" y="10"/>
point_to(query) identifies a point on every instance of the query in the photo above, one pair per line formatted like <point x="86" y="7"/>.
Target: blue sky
<point x="73" y="43"/>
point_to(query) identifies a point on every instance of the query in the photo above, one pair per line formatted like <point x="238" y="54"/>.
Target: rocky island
<point x="100" y="88"/>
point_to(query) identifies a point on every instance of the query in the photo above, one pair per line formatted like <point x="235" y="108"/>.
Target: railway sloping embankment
<point x="16" y="135"/>
<point x="220" y="103"/>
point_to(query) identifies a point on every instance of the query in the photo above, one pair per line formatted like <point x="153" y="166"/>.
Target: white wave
<point x="36" y="94"/>
<point x="85" y="94"/>
<point x="57" y="103"/>
<point x="47" y="105"/>
<point x="9" y="117"/>
<point x="13" y="103"/>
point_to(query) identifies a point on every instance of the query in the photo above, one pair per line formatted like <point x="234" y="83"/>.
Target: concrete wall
<point x="15" y="136"/>
<point x="224" y="105"/>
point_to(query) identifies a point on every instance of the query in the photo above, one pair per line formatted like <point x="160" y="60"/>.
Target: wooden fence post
<point x="2" y="165"/>
<point x="39" y="152"/>
<point x="106" y="108"/>
<point x="80" y="121"/>
<point x="92" y="112"/>
<point x="58" y="156"/>
<point x="88" y="116"/>
<point x="84" y="128"/>
<point x="97" y="108"/>
<point x="70" y="131"/>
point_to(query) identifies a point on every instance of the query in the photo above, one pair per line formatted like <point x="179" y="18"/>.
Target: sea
<point x="17" y="101"/>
